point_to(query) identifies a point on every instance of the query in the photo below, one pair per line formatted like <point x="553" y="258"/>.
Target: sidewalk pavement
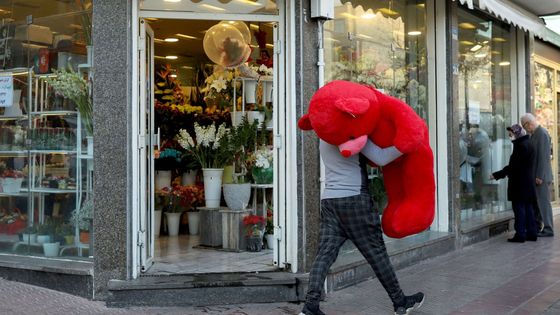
<point x="492" y="277"/>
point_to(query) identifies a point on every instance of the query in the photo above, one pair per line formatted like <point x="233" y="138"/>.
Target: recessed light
<point x="482" y="55"/>
<point x="499" y="39"/>
<point x="466" y="42"/>
<point x="171" y="57"/>
<point x="186" y="36"/>
<point x="173" y="75"/>
<point x="504" y="63"/>
<point x="476" y="48"/>
<point x="414" y="33"/>
<point x="467" y="26"/>
<point x="171" y="40"/>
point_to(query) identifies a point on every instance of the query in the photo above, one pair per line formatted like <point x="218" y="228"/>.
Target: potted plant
<point x="67" y="231"/>
<point x="74" y="86"/>
<point x="51" y="246"/>
<point x="29" y="234"/>
<point x="262" y="168"/>
<point x="210" y="153"/>
<point x="191" y="197"/>
<point x="44" y="232"/>
<point x="11" y="181"/>
<point x="254" y="225"/>
<point x="82" y="218"/>
<point x="269" y="229"/>
<point x="240" y="141"/>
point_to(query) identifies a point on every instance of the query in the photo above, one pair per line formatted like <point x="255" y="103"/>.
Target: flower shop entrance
<point x="185" y="100"/>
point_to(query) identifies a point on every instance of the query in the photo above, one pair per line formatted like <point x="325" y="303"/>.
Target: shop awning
<point x="516" y="15"/>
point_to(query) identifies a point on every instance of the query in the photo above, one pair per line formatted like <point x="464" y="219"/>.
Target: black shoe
<point x="516" y="239"/>
<point x="411" y="302"/>
<point x="545" y="234"/>
<point x="531" y="238"/>
<point x="309" y="309"/>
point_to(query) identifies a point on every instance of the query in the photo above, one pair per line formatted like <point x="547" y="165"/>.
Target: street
<point x="492" y="277"/>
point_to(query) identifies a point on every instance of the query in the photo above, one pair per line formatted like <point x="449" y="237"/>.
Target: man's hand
<point x="539" y="181"/>
<point x="491" y="177"/>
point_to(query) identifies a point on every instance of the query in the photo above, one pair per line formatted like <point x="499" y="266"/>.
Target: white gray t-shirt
<point x="346" y="177"/>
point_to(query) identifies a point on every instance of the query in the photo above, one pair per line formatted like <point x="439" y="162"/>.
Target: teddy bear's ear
<point x="354" y="106"/>
<point x="304" y="123"/>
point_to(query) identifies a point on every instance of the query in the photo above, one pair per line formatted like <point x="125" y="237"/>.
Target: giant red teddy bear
<point x="345" y="114"/>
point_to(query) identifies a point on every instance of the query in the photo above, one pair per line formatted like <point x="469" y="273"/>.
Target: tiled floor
<point x="178" y="255"/>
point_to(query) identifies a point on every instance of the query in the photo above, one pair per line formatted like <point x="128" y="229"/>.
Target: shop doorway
<point x="180" y="89"/>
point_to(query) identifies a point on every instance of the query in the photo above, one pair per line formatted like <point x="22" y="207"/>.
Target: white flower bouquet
<point x="219" y="87"/>
<point x="73" y="86"/>
<point x="207" y="147"/>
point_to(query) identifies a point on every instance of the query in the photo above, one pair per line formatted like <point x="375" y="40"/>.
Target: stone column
<point x="111" y="120"/>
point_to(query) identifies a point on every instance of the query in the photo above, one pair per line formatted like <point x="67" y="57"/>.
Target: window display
<point x="484" y="108"/>
<point x="46" y="129"/>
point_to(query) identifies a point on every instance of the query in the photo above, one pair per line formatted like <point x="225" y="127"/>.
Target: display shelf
<point x="12" y="153"/>
<point x="46" y="151"/>
<point x="55" y="113"/>
<point x="53" y="190"/>
<point x="263" y="186"/>
<point x="22" y="117"/>
<point x="85" y="157"/>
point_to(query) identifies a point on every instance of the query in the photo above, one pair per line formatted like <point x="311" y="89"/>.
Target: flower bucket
<point x="29" y="238"/>
<point x="162" y="179"/>
<point x="250" y="91"/>
<point x="255" y="115"/>
<point x="270" y="241"/>
<point x="262" y="175"/>
<point x="267" y="91"/>
<point x="254" y="243"/>
<point x="11" y="185"/>
<point x="212" y="186"/>
<point x="157" y="222"/>
<point x="41" y="239"/>
<point x="194" y="220"/>
<point x="237" y="195"/>
<point x="173" y="220"/>
<point x="189" y="178"/>
<point x="51" y="249"/>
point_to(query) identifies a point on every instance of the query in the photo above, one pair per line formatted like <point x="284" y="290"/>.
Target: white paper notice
<point x="6" y="90"/>
<point x="474" y="112"/>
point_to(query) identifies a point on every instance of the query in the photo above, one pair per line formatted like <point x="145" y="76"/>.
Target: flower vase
<point x="212" y="186"/>
<point x="11" y="185"/>
<point x="250" y="91"/>
<point x="262" y="175"/>
<point x="270" y="241"/>
<point x="173" y="220"/>
<point x="189" y="178"/>
<point x="51" y="249"/>
<point x="267" y="91"/>
<point x="157" y="222"/>
<point x="254" y="243"/>
<point x="237" y="195"/>
<point x="194" y="220"/>
<point x="162" y="179"/>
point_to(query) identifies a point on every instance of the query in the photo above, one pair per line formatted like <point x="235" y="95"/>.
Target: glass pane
<point x="213" y="6"/>
<point x="44" y="134"/>
<point x="484" y="108"/>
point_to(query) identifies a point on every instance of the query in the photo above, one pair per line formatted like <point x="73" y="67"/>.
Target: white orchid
<point x="206" y="145"/>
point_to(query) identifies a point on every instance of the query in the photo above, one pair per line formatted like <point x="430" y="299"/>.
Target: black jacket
<point x="520" y="171"/>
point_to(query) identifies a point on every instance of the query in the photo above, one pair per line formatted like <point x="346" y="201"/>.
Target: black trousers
<point x="351" y="218"/>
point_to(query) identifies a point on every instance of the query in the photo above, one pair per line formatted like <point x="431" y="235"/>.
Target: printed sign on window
<point x="6" y="90"/>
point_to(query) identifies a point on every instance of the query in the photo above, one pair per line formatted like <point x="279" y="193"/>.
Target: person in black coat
<point x="521" y="186"/>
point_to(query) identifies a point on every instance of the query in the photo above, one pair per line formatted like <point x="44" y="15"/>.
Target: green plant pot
<point x="263" y="175"/>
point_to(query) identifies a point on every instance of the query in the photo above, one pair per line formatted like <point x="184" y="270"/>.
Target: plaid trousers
<point x="351" y="218"/>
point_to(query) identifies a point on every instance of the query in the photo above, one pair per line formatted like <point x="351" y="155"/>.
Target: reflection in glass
<point x="382" y="44"/>
<point x="484" y="109"/>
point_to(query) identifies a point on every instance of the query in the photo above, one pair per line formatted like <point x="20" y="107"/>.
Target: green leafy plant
<point x="241" y="142"/>
<point x="80" y="216"/>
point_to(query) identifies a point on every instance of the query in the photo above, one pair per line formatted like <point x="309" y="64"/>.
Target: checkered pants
<point x="351" y="218"/>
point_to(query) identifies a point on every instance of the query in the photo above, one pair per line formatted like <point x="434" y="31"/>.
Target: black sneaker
<point x="309" y="309"/>
<point x="411" y="302"/>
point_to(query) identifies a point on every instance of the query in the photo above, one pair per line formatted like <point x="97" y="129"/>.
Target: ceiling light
<point x="467" y="26"/>
<point x="187" y="67"/>
<point x="476" y="47"/>
<point x="173" y="75"/>
<point x="269" y="45"/>
<point x="254" y="26"/>
<point x="171" y="57"/>
<point x="499" y="39"/>
<point x="388" y="11"/>
<point x="485" y="42"/>
<point x="211" y="7"/>
<point x="250" y="3"/>
<point x="171" y="40"/>
<point x="495" y="52"/>
<point x="482" y="55"/>
<point x="421" y="5"/>
<point x="158" y="40"/>
<point x="414" y="33"/>
<point x="159" y="57"/>
<point x="186" y="36"/>
<point x="504" y="63"/>
<point x="368" y="16"/>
